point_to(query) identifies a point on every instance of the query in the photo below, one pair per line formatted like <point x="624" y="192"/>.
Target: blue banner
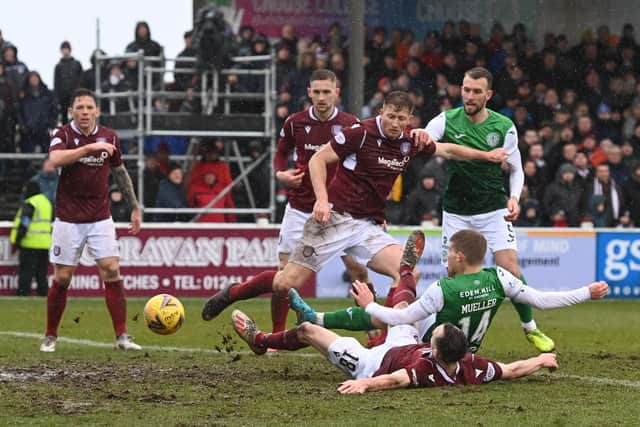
<point x="618" y="263"/>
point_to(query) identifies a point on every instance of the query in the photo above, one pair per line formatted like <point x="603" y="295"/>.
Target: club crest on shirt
<point x="493" y="139"/>
<point x="339" y="137"/>
<point x="405" y="148"/>
<point x="336" y="129"/>
<point x="307" y="129"/>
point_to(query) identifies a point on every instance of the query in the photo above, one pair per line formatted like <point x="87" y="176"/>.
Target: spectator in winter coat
<point x="143" y="41"/>
<point x="38" y="113"/>
<point x="530" y="215"/>
<point x="631" y="191"/>
<point x="424" y="201"/>
<point x="171" y="194"/>
<point x="606" y="192"/>
<point x="15" y="70"/>
<point x="120" y="211"/>
<point x="67" y="78"/>
<point x="47" y="179"/>
<point x="88" y="79"/>
<point x="564" y="198"/>
<point x="7" y="114"/>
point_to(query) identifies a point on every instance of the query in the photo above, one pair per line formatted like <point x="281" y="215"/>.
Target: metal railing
<point x="141" y="103"/>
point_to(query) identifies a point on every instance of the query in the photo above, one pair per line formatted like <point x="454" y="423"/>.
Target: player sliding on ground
<point x="469" y="299"/>
<point x="402" y="361"/>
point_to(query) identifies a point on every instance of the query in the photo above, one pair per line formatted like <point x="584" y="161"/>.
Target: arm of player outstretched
<point x="397" y="379"/>
<point x="460" y="152"/>
<point x="430" y="302"/>
<point x="318" y="174"/>
<point x="519" y="292"/>
<point x="522" y="368"/>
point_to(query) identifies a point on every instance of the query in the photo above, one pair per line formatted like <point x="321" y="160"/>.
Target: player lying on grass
<point x="469" y="299"/>
<point x="402" y="361"/>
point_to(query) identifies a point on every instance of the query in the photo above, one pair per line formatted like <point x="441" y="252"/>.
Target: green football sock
<point x="352" y="319"/>
<point x="524" y="311"/>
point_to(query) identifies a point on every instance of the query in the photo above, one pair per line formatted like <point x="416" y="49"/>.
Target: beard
<point x="472" y="110"/>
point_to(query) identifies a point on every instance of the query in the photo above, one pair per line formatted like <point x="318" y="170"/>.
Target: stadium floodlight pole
<point x="140" y="130"/>
<point x="356" y="58"/>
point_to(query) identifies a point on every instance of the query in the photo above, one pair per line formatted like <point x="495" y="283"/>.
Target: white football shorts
<point x="499" y="232"/>
<point x="69" y="239"/>
<point x="348" y="355"/>
<point x="343" y="234"/>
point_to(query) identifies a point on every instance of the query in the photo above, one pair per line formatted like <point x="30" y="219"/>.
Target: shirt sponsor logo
<point x="493" y="139"/>
<point x="93" y="160"/>
<point x="395" y="164"/>
<point x="405" y="148"/>
<point x="311" y="147"/>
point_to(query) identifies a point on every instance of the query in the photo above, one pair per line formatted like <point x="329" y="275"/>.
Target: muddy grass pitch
<point x="204" y="375"/>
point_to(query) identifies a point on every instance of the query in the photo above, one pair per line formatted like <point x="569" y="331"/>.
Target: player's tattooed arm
<point x="122" y="178"/>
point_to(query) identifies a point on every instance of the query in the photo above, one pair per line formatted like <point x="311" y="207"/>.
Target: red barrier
<point x="180" y="261"/>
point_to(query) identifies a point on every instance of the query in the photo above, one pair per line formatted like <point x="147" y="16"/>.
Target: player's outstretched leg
<point x="257" y="285"/>
<point x="247" y="330"/>
<point x="304" y="312"/>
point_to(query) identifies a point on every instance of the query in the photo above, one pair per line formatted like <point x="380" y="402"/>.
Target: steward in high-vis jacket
<point x="31" y="234"/>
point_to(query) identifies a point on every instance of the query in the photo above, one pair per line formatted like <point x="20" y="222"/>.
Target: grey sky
<point x="37" y="27"/>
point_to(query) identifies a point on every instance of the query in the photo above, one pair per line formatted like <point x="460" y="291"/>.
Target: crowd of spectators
<point x="576" y="108"/>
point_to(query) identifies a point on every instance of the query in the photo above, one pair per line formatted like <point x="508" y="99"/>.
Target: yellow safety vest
<point x="38" y="234"/>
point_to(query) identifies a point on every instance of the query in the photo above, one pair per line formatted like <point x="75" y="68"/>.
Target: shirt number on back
<point x="480" y="331"/>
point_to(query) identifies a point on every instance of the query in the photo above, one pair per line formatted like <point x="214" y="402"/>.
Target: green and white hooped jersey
<point x="474" y="187"/>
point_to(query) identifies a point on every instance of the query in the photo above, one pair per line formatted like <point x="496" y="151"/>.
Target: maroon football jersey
<point x="304" y="134"/>
<point x="83" y="187"/>
<point x="424" y="371"/>
<point x="370" y="163"/>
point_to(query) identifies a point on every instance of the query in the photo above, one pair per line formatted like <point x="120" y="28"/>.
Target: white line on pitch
<point x="91" y="343"/>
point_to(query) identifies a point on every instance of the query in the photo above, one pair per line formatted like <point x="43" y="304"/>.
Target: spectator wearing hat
<point x="67" y="78"/>
<point x="605" y="127"/>
<point x="143" y="41"/>
<point x="182" y="80"/>
<point x="172" y="194"/>
<point x="564" y="199"/>
<point x="245" y="40"/>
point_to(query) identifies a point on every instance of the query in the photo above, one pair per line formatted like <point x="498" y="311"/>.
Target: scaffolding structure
<point x="217" y="120"/>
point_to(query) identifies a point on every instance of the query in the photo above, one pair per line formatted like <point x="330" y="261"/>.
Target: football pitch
<point x="205" y="375"/>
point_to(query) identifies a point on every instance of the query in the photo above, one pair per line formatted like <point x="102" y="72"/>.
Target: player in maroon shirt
<point x="349" y="216"/>
<point x="85" y="154"/>
<point x="402" y="361"/>
<point x="303" y="134"/>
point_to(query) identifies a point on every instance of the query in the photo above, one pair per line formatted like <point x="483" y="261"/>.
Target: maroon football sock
<point x="279" y="311"/>
<point x="286" y="340"/>
<point x="56" y="302"/>
<point x="259" y="284"/>
<point x="117" y="305"/>
<point x="406" y="290"/>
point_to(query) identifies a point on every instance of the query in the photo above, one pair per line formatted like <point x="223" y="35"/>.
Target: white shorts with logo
<point x="499" y="232"/>
<point x="347" y="354"/>
<point x="69" y="239"/>
<point x="343" y="234"/>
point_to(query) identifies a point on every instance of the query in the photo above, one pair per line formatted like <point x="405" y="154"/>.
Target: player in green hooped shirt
<point x="474" y="196"/>
<point x="469" y="299"/>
